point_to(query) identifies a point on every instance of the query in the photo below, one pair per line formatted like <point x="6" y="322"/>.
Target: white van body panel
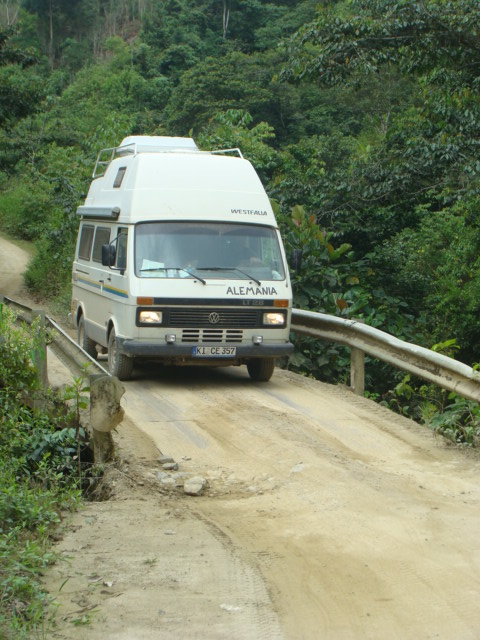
<point x="160" y="195"/>
<point x="182" y="186"/>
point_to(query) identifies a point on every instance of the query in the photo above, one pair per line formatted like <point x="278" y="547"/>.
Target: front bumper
<point x="141" y="349"/>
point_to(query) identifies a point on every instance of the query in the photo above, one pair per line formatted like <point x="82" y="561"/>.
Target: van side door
<point x="116" y="287"/>
<point x="89" y="278"/>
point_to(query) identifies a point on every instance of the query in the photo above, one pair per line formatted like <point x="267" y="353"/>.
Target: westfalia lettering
<point x="252" y="291"/>
<point x="250" y="212"/>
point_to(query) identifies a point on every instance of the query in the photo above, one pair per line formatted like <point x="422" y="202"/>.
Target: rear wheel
<point x="261" y="369"/>
<point x="119" y="364"/>
<point x="84" y="341"/>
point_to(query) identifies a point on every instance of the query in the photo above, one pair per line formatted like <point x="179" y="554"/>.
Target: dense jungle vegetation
<point x="361" y="116"/>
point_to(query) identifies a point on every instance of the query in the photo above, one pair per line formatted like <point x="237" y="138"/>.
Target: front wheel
<point x="261" y="369"/>
<point x="119" y="365"/>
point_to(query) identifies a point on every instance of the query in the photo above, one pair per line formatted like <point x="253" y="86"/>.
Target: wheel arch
<point x="110" y="325"/>
<point x="79" y="313"/>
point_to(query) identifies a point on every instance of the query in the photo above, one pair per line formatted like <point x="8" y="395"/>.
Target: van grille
<point x="212" y="335"/>
<point x="213" y="318"/>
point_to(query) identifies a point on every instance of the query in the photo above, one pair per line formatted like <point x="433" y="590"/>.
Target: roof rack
<point x="134" y="145"/>
<point x="225" y="151"/>
<point x="104" y="158"/>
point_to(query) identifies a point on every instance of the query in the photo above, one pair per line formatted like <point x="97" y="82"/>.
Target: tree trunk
<point x="226" y="17"/>
<point x="50" y="44"/>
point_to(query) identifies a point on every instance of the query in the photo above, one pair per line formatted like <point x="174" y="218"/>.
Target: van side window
<point x="102" y="236"/>
<point x="119" y="177"/>
<point x="121" y="262"/>
<point x="86" y="238"/>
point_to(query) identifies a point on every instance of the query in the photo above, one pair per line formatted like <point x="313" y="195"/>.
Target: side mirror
<point x="108" y="255"/>
<point x="296" y="260"/>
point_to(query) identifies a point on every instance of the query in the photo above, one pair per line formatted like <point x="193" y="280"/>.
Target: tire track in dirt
<point x="335" y="498"/>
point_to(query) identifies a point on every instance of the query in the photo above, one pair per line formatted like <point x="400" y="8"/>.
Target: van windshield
<point x="207" y="250"/>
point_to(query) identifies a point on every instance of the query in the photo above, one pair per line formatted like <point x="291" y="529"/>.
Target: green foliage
<point x="233" y="129"/>
<point x="322" y="361"/>
<point x="436" y="268"/>
<point x="21" y="86"/>
<point x="427" y="152"/>
<point x="38" y="480"/>
<point x="459" y="422"/>
<point x="447" y="414"/>
<point x="321" y="283"/>
<point x="34" y="488"/>
<point x="99" y="95"/>
<point x="419" y="37"/>
<point x="21" y="91"/>
<point x="76" y="54"/>
<point x="313" y="172"/>
<point x="10" y="51"/>
<point x="41" y="205"/>
<point x="179" y="34"/>
<point x="25" y="206"/>
<point x="331" y="280"/>
<point x="16" y="349"/>
<point x="233" y="81"/>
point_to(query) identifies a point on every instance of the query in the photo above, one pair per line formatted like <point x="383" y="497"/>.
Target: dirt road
<point x="326" y="517"/>
<point x="13" y="262"/>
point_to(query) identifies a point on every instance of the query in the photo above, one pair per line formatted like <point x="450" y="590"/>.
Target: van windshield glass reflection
<point x="207" y="251"/>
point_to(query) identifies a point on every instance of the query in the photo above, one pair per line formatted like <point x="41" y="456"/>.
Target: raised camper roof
<point x="133" y="145"/>
<point x="178" y="186"/>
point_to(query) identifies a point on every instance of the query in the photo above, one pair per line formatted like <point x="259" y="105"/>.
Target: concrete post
<point x="105" y="414"/>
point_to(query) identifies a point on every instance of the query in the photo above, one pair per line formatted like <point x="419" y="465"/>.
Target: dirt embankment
<point x="325" y="516"/>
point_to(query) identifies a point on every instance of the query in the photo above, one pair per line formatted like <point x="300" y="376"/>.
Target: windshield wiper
<point x="247" y="275"/>
<point x="193" y="275"/>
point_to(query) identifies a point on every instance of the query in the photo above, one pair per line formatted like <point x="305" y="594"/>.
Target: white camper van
<point x="179" y="260"/>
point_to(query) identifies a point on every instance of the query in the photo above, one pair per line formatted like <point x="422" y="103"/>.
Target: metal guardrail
<point x="71" y="354"/>
<point x="60" y="343"/>
<point x="361" y="338"/>
<point x="443" y="371"/>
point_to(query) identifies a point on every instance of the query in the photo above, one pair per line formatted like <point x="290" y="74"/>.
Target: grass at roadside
<point x="39" y="482"/>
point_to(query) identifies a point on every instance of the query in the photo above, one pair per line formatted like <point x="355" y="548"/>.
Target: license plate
<point x="214" y="352"/>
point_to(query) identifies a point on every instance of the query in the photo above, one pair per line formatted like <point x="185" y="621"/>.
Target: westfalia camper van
<point x="179" y="260"/>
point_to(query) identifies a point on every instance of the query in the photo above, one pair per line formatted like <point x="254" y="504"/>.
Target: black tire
<point x="84" y="341"/>
<point x="119" y="365"/>
<point x="261" y="369"/>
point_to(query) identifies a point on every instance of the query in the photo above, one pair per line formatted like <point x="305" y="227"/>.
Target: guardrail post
<point x="357" y="368"/>
<point x="357" y="371"/>
<point x="40" y="354"/>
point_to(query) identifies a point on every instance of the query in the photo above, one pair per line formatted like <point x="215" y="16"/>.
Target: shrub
<point x="38" y="480"/>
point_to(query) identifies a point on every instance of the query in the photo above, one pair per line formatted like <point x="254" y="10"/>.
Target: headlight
<point x="274" y="319"/>
<point x="150" y="317"/>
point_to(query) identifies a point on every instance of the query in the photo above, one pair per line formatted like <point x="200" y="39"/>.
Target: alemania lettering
<point x="251" y="291"/>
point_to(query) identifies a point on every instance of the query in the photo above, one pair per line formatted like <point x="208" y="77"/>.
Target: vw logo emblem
<point x="214" y="317"/>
